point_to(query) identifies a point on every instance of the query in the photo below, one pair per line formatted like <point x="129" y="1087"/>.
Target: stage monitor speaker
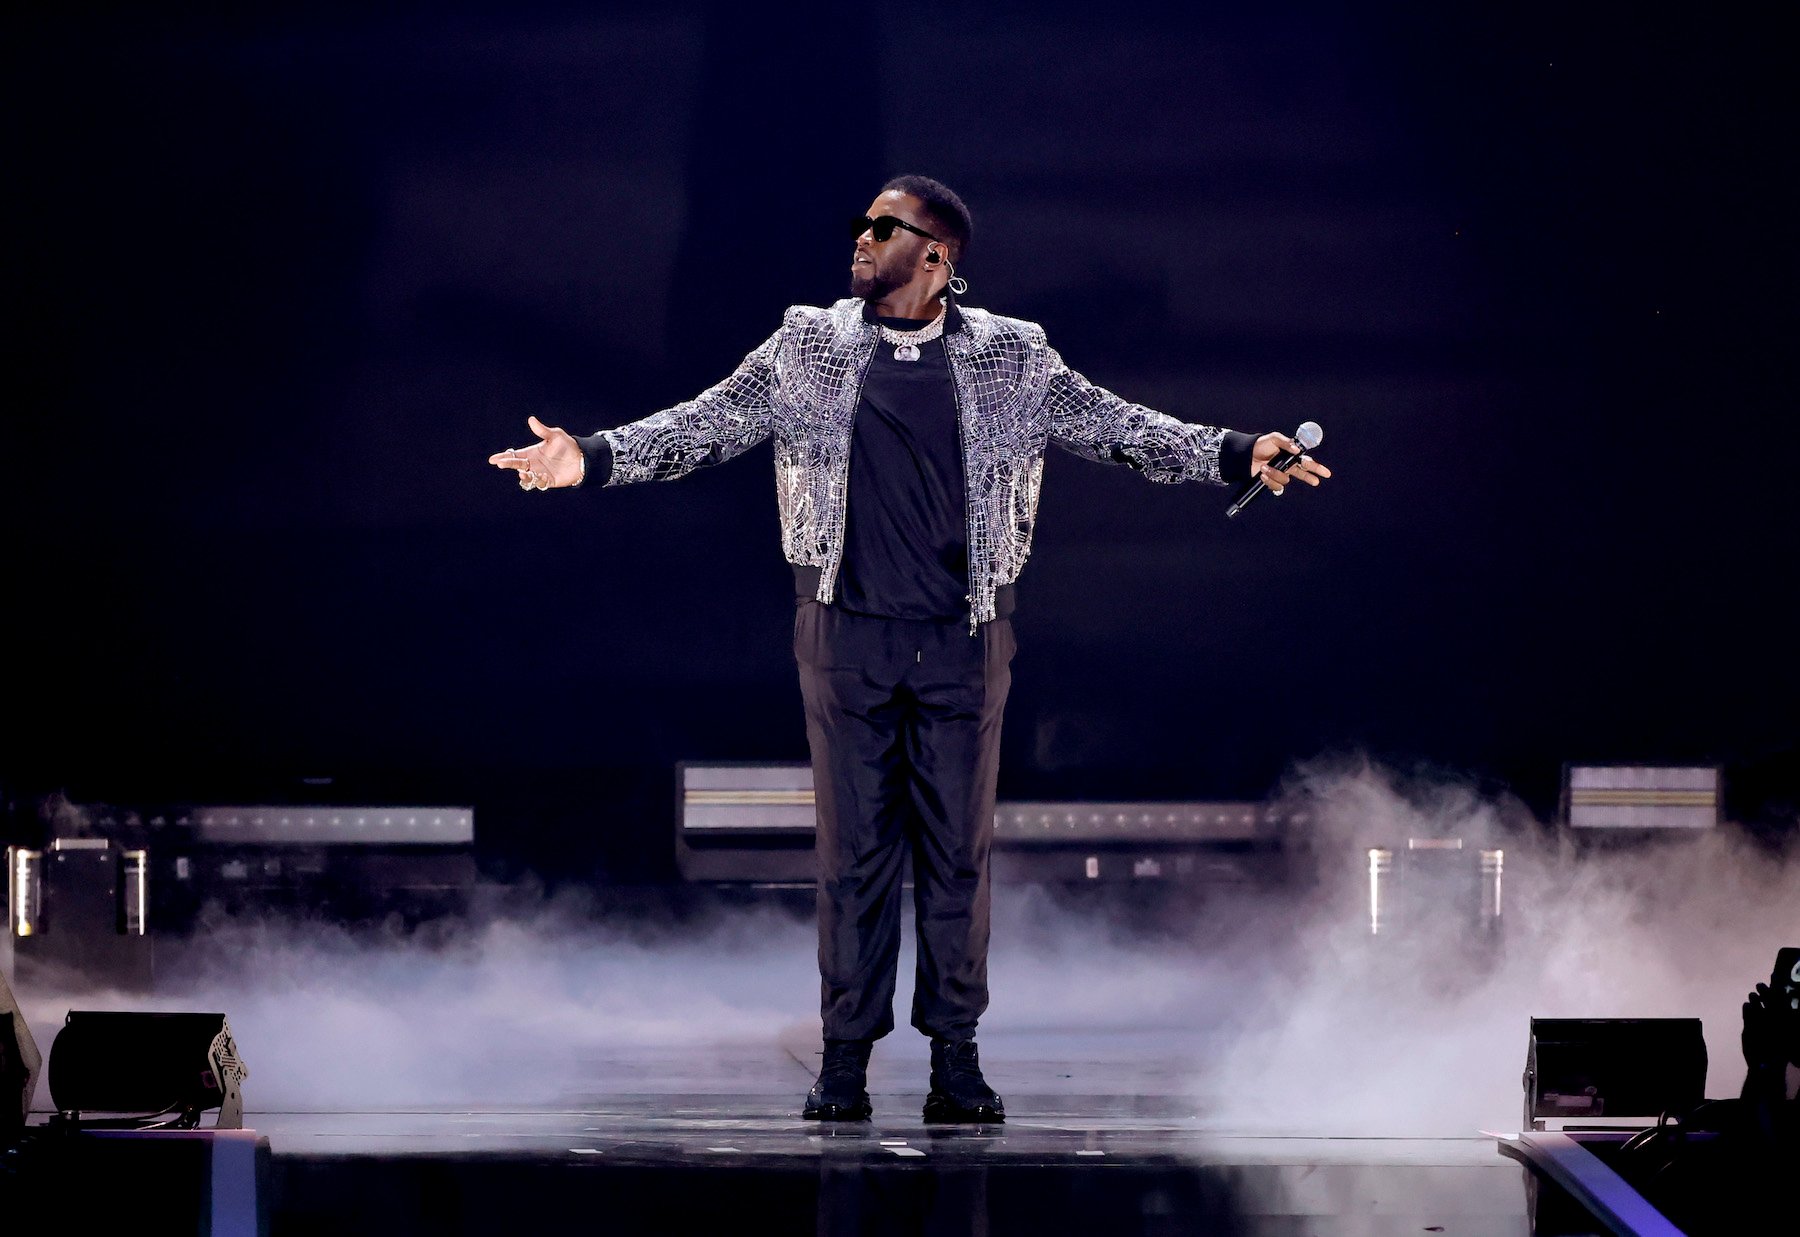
<point x="19" y="1062"/>
<point x="146" y="1068"/>
<point x="1612" y="1070"/>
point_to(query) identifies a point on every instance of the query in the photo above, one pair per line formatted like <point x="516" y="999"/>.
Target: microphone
<point x="1308" y="436"/>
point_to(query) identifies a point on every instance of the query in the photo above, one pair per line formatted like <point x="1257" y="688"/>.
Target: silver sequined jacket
<point x="1013" y="395"/>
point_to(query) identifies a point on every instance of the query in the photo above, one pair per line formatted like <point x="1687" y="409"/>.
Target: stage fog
<point x="1266" y="1013"/>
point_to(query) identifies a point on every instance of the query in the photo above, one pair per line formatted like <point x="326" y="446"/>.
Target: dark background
<point x="282" y="280"/>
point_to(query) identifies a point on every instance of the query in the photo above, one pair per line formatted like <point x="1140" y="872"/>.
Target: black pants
<point x="903" y="719"/>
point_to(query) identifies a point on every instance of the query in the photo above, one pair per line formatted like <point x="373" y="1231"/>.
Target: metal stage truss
<point x="753" y="824"/>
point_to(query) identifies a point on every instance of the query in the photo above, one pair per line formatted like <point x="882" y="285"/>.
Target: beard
<point x="873" y="287"/>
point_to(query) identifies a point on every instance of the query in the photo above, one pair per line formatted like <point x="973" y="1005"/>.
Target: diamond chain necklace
<point x="906" y="343"/>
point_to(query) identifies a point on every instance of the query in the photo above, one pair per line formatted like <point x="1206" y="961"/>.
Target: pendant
<point x="906" y="352"/>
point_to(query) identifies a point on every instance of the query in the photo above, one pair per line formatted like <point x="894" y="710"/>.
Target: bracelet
<point x="583" y="476"/>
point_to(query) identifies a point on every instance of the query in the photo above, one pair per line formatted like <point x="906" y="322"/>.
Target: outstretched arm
<point x="722" y="421"/>
<point x="1092" y="422"/>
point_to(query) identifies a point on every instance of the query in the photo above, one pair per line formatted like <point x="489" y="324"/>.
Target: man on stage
<point x="909" y="446"/>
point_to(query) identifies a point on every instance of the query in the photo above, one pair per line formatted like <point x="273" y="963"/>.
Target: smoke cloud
<point x="1256" y="1011"/>
<point x="1426" y="1035"/>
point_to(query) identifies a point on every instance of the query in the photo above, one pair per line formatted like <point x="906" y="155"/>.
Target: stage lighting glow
<point x="24" y="889"/>
<point x="1429" y="885"/>
<point x="134" y="901"/>
<point x="1641" y="797"/>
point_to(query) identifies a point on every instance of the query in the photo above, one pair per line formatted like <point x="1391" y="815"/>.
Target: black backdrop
<point x="281" y="280"/>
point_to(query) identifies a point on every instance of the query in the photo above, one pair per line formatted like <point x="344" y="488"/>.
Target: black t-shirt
<point x="906" y="542"/>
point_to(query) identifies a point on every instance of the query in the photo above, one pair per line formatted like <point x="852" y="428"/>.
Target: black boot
<point x="842" y="1092"/>
<point x="958" y="1091"/>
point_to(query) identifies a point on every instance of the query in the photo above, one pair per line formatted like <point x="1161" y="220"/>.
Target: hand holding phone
<point x="1771" y="1038"/>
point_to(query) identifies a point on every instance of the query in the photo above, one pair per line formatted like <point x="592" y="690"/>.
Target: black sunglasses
<point x="883" y="226"/>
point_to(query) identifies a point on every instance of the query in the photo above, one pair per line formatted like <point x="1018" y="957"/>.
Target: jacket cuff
<point x="1235" y="450"/>
<point x="599" y="455"/>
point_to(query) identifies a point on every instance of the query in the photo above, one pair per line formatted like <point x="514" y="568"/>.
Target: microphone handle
<point x="1282" y="463"/>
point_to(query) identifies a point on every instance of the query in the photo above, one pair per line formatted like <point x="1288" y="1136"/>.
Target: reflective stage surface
<point x="682" y="1142"/>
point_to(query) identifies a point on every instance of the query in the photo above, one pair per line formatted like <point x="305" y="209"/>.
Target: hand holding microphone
<point x="1278" y="459"/>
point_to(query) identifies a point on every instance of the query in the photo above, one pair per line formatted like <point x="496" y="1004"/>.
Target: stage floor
<point x="531" y="1079"/>
<point x="709" y="1142"/>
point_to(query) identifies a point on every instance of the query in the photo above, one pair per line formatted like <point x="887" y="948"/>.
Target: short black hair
<point x="945" y="208"/>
